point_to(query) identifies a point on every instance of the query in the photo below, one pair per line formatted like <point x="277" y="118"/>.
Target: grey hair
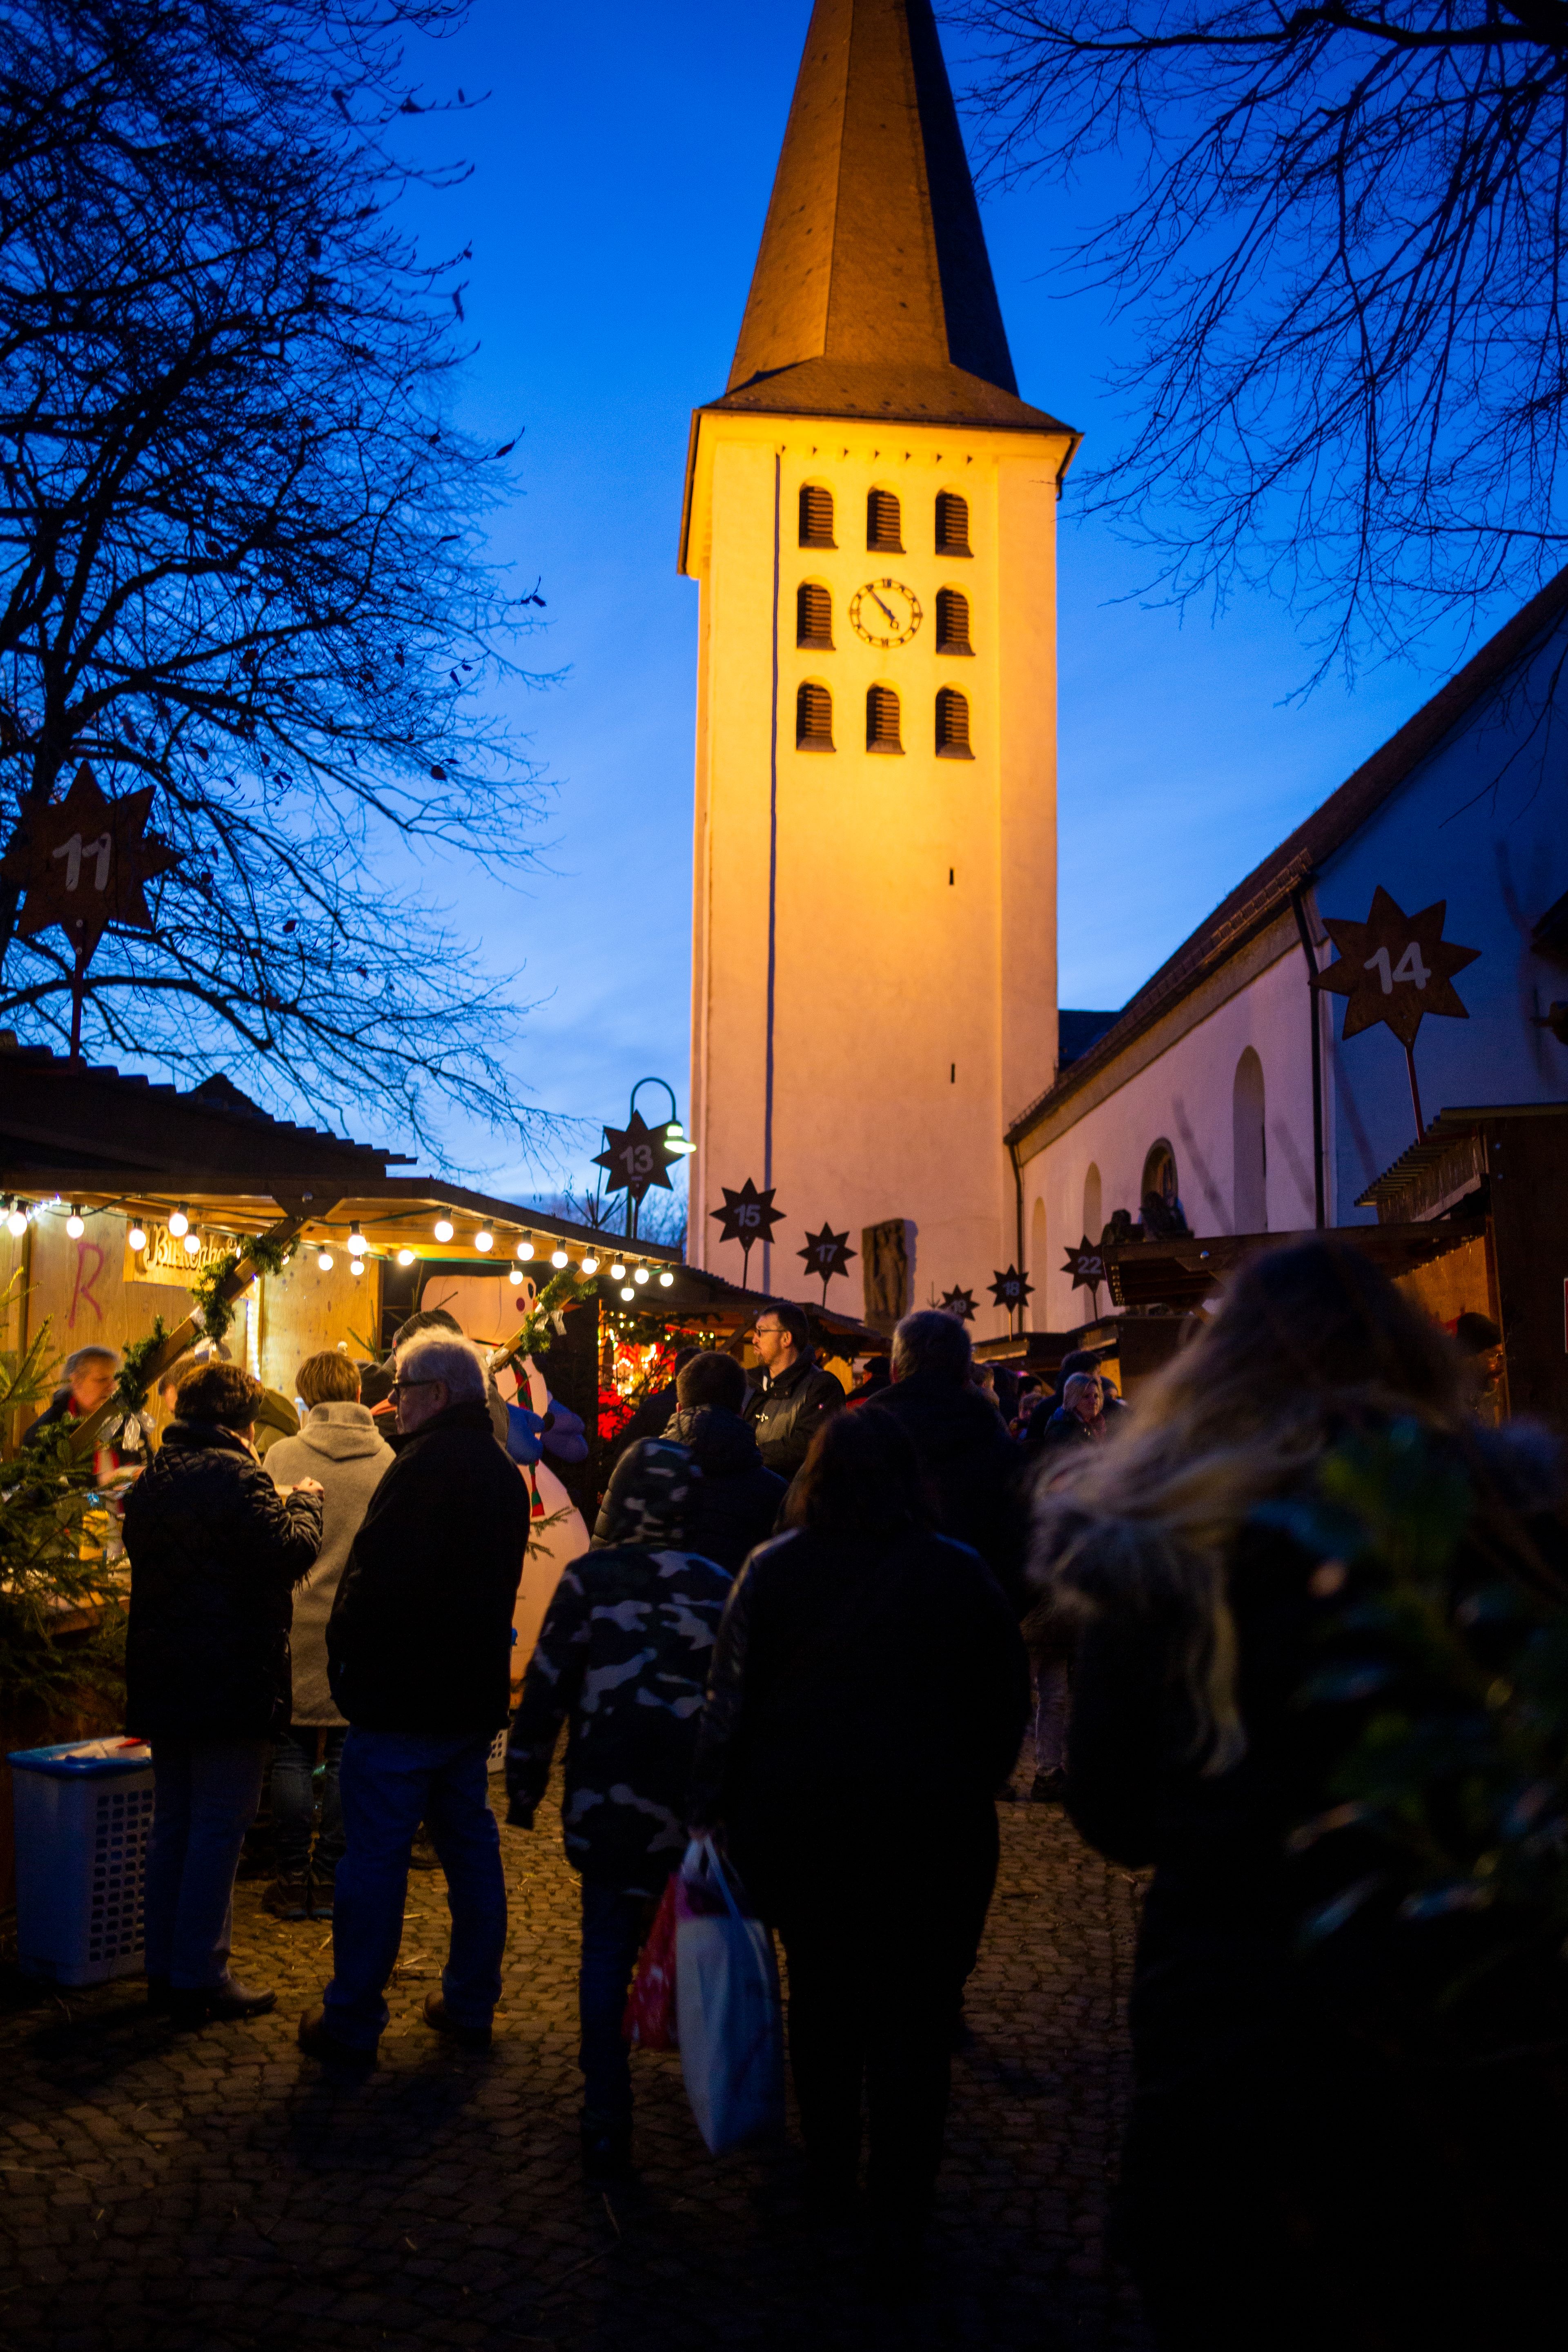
<point x="931" y="1341"/>
<point x="434" y="1354"/>
<point x="86" y="1355"/>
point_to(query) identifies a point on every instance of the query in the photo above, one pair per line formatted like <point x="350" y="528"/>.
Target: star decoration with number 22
<point x="1394" y="967"/>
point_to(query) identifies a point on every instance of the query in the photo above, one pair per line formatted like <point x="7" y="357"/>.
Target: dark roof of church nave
<point x="872" y="294"/>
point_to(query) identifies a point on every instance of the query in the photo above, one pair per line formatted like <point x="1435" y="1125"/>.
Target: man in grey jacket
<point x="339" y="1445"/>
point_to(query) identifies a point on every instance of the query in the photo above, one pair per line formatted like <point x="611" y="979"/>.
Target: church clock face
<point x="885" y="613"/>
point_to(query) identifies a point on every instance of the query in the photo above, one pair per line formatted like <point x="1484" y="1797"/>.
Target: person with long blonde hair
<point x="1317" y="2113"/>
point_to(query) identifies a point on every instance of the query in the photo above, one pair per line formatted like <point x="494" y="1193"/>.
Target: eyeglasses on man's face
<point x="398" y="1386"/>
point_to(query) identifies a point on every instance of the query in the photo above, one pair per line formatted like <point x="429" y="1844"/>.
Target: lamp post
<point x="638" y="1156"/>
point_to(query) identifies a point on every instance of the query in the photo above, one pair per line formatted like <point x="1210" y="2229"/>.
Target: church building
<point x="870" y="512"/>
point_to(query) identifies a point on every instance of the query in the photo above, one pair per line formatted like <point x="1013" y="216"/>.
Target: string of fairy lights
<point x="631" y="1275"/>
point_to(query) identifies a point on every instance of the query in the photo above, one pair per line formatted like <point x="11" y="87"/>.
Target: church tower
<point x="870" y="509"/>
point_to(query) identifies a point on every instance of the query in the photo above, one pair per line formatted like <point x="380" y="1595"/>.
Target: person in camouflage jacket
<point x="623" y="1661"/>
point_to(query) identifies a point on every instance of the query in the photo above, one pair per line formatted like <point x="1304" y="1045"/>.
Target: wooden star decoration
<point x="747" y="1216"/>
<point x="1395" y="968"/>
<point x="1086" y="1266"/>
<point x="957" y="1302"/>
<point x="1010" y="1289"/>
<point x="637" y="1156"/>
<point x="825" y="1255"/>
<point x="83" y="862"/>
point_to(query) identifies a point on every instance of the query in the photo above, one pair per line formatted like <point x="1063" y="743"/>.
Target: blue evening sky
<point x="622" y="169"/>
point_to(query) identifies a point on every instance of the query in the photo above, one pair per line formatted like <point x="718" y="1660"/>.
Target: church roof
<point x="872" y="294"/>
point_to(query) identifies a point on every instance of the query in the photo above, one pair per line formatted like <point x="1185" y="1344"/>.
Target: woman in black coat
<point x="868" y="1691"/>
<point x="215" y="1551"/>
<point x="1287" y="1581"/>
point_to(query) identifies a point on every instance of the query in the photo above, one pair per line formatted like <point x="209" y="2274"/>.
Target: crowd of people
<point x="818" y="1629"/>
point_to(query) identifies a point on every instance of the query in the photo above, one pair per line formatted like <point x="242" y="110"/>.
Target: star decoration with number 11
<point x="1395" y="968"/>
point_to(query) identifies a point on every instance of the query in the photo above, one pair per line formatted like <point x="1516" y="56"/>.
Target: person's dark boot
<point x="289" y="1897"/>
<point x="467" y="2037"/>
<point x="320" y="1896"/>
<point x="1048" y="1788"/>
<point x="422" y="1854"/>
<point x="606" y="2149"/>
<point x="318" y="2041"/>
<point x="220" y="2004"/>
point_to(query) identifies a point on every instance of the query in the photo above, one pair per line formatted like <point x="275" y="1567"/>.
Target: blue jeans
<point x="614" y="1927"/>
<point x="294" y="1801"/>
<point x="390" y="1781"/>
<point x="204" y="1795"/>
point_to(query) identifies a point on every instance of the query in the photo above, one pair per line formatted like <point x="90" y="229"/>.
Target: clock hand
<point x="887" y="610"/>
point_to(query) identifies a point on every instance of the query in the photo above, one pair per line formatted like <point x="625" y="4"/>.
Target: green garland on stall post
<point x="135" y="1373"/>
<point x="210" y="1310"/>
<point x="569" y="1287"/>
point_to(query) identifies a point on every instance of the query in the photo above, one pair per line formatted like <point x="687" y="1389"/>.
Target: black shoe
<point x="219" y="2004"/>
<point x="317" y="2042"/>
<point x="289" y="1897"/>
<point x="158" y="1992"/>
<point x="321" y="1897"/>
<point x="422" y="1854"/>
<point x="607" y="2150"/>
<point x="467" y="2037"/>
<point x="1048" y="1788"/>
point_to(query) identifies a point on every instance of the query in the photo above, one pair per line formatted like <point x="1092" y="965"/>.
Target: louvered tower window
<point x="814" y="719"/>
<point x="813" y="615"/>
<point x="882" y="719"/>
<point x="953" y="725"/>
<point x="953" y="622"/>
<point x="816" y="515"/>
<point x="952" y="524"/>
<point x="884" y="523"/>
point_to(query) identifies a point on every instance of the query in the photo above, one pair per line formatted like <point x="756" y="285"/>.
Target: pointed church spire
<point x="872" y="293"/>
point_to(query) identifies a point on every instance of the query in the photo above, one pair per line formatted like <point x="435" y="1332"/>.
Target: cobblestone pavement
<point x="198" y="2192"/>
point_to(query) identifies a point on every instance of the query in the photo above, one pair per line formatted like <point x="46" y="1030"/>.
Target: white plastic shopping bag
<point x="727" y="2003"/>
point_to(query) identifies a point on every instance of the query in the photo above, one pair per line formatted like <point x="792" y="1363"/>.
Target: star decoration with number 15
<point x="1394" y="967"/>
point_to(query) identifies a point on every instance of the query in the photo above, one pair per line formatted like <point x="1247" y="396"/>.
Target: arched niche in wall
<point x="1093" y="1209"/>
<point x="1250" y="1159"/>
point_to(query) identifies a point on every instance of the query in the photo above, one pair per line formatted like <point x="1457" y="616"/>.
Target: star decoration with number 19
<point x="1394" y="967"/>
<point x="748" y="1216"/>
<point x="958" y="1302"/>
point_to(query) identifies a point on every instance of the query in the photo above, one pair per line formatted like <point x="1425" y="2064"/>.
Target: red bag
<point x="649" y="2022"/>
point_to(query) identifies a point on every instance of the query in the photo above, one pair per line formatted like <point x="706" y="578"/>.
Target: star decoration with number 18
<point x="1394" y="967"/>
<point x="1010" y="1289"/>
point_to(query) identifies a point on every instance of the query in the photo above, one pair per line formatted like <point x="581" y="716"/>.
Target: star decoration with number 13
<point x="885" y="613"/>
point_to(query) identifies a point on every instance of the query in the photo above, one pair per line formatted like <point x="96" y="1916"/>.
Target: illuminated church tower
<point x="870" y="509"/>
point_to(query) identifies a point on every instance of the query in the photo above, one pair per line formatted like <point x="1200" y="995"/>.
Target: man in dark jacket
<point x="419" y="1655"/>
<point x="970" y="1464"/>
<point x="735" y="1505"/>
<point x="622" y="1660"/>
<point x="798" y="1395"/>
<point x="215" y="1551"/>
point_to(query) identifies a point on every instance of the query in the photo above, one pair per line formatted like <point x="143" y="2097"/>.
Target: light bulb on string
<point x="445" y="1228"/>
<point x="137" y="1236"/>
<point x="16" y="1223"/>
<point x="515" y="1276"/>
<point x="75" y="1224"/>
<point x="525" y="1249"/>
<point x="666" y="1279"/>
<point x="356" y="1266"/>
<point x="357" y="1242"/>
<point x="405" y="1257"/>
<point x="180" y="1222"/>
<point x="617" y="1272"/>
<point x="590" y="1264"/>
<point x="191" y="1244"/>
<point x="629" y="1294"/>
<point x="484" y="1239"/>
<point x="558" y="1258"/>
<point x="640" y="1274"/>
<point x="324" y="1260"/>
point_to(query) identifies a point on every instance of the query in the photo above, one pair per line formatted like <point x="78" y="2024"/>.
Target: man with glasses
<point x="796" y="1396"/>
<point x="419" y="1659"/>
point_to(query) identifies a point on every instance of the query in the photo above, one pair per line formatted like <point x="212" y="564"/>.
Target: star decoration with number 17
<point x="1394" y="967"/>
<point x="827" y="1254"/>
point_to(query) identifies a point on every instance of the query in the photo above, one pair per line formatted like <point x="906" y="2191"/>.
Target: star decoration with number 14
<point x="1395" y="968"/>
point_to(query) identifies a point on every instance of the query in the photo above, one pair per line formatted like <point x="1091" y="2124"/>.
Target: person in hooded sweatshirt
<point x="340" y="1447"/>
<point x="970" y="1465"/>
<point x="622" y="1661"/>
<point x="735" y="1506"/>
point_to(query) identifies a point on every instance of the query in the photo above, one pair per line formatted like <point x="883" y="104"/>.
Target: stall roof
<point x="1179" y="1274"/>
<point x="696" y="1291"/>
<point x="113" y="1141"/>
<point x="1428" y="1175"/>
